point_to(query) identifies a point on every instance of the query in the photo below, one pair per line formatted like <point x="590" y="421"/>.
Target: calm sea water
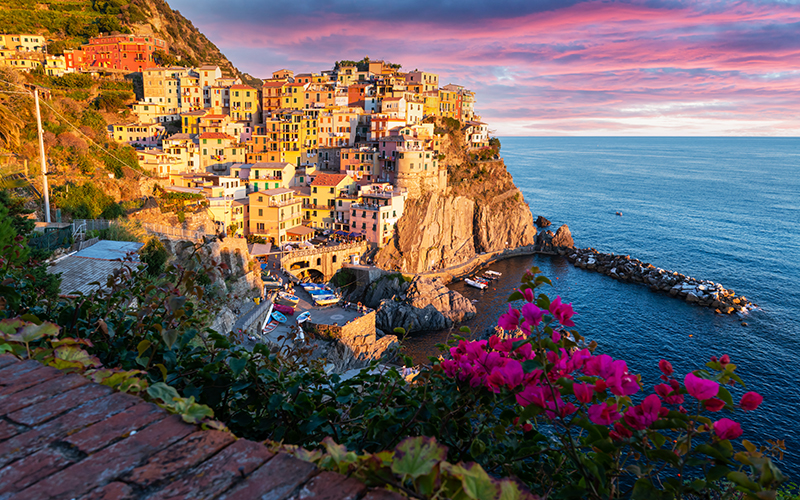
<point x="723" y="209"/>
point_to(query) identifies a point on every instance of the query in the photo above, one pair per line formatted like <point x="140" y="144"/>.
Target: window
<point x="333" y="259"/>
<point x="314" y="190"/>
<point x="330" y="190"/>
<point x="260" y="212"/>
<point x="319" y="261"/>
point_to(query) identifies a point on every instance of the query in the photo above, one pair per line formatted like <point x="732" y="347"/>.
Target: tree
<point x="154" y="255"/>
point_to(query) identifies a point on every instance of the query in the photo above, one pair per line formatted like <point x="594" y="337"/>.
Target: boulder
<point x="542" y="222"/>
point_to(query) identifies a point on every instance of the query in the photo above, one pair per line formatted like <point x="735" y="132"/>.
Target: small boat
<point x="494" y="273"/>
<point x="285" y="310"/>
<point x="272" y="325"/>
<point x="271" y="282"/>
<point x="476" y="284"/>
<point x="481" y="280"/>
<point x="488" y="277"/>
<point x="619" y="213"/>
<point x="277" y="316"/>
<point x="287" y="299"/>
<point x="321" y="291"/>
<point x="303" y="317"/>
<point x="326" y="300"/>
<point x="312" y="286"/>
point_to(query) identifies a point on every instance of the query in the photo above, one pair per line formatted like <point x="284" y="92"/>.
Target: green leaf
<point x="191" y="412"/>
<point x="163" y="370"/>
<point x="657" y="439"/>
<point x="237" y="365"/>
<point x="417" y="456"/>
<point x="643" y="489"/>
<point x="74" y="354"/>
<point x="477" y="447"/>
<point x="31" y="332"/>
<point x="742" y="480"/>
<point x="543" y="279"/>
<point x="476" y="482"/>
<point x="717" y="472"/>
<point x="709" y="450"/>
<point x="725" y="395"/>
<point x="162" y="391"/>
<point x="176" y="303"/>
<point x="665" y="455"/>
<point x="465" y="329"/>
<point x="516" y="295"/>
<point x="509" y="490"/>
<point x="543" y="301"/>
<point x="142" y="347"/>
<point x="529" y="365"/>
<point x="170" y="336"/>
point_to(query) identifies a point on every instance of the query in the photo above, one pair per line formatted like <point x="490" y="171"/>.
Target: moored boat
<point x="287" y="299"/>
<point x="303" y="317"/>
<point x="494" y="273"/>
<point x="326" y="300"/>
<point x="269" y="327"/>
<point x="285" y="310"/>
<point x="279" y="317"/>
<point x="476" y="284"/>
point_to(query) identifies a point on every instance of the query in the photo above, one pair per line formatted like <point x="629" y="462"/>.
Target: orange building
<point x="124" y="52"/>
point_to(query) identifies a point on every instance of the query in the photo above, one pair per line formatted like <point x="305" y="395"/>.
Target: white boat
<point x="476" y="284"/>
<point x="326" y="300"/>
<point x="288" y="299"/>
<point x="494" y="273"/>
<point x="303" y="317"/>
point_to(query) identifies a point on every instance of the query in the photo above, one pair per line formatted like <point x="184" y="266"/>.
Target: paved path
<point x="247" y="318"/>
<point x="63" y="437"/>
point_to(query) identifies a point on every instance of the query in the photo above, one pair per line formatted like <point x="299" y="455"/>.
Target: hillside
<point x="70" y="23"/>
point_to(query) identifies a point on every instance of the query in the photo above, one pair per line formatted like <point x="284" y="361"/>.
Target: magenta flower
<point x="562" y="312"/>
<point x="700" y="388"/>
<point x="527" y="294"/>
<point x="642" y="416"/>
<point x="512" y="373"/>
<point x="619" y="381"/>
<point x="668" y="394"/>
<point x="750" y="401"/>
<point x="510" y="320"/>
<point x="620" y="432"/>
<point x="714" y="404"/>
<point x="532" y="395"/>
<point x="604" y="414"/>
<point x="583" y="392"/>
<point x="532" y="314"/>
<point x="665" y="367"/>
<point x="598" y="365"/>
<point x="726" y="428"/>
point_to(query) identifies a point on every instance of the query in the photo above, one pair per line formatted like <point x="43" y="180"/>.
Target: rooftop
<point x="93" y="264"/>
<point x="328" y="179"/>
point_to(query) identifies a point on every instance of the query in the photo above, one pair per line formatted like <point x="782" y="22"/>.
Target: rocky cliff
<point x="480" y="211"/>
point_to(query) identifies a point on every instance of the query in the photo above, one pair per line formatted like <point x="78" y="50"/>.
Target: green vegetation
<point x="86" y="201"/>
<point x="362" y="65"/>
<point x="154" y="255"/>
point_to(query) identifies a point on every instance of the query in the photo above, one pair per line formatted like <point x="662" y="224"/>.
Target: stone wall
<point x="355" y="345"/>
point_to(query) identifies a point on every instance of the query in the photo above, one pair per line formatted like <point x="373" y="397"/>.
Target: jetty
<point x="624" y="268"/>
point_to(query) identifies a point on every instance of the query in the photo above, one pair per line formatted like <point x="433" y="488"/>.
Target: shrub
<point x="154" y="255"/>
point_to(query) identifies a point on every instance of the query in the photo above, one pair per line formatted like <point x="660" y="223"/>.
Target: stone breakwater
<point x="692" y="290"/>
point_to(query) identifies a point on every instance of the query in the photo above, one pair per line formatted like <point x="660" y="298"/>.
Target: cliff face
<point x="480" y="211"/>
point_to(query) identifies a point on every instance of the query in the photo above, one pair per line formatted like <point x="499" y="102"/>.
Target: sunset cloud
<point x="549" y="67"/>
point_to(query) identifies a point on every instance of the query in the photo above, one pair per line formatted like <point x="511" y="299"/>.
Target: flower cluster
<point x="560" y="379"/>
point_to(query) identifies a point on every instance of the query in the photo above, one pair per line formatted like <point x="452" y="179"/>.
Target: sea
<point x="719" y="209"/>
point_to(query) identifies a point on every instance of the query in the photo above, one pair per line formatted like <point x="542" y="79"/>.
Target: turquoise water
<point x="723" y="209"/>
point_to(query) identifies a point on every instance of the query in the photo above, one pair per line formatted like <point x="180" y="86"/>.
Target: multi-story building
<point x="22" y="43"/>
<point x="160" y="163"/>
<point x="245" y="104"/>
<point x="139" y="134"/>
<point x="326" y="188"/>
<point x="185" y="148"/>
<point x="21" y="61"/>
<point x="375" y="216"/>
<point x="123" y="52"/>
<point x="285" y="135"/>
<point x="162" y="86"/>
<point x="276" y="215"/>
<point x="476" y="134"/>
<point x="337" y="127"/>
<point x="271" y="175"/>
<point x="271" y="94"/>
<point x="426" y="82"/>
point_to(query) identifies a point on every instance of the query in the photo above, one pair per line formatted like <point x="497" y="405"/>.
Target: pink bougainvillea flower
<point x="714" y="404"/>
<point x="750" y="401"/>
<point x="665" y="367"/>
<point x="599" y="365"/>
<point x="619" y="381"/>
<point x="620" y="432"/>
<point x="600" y="386"/>
<point x="604" y="414"/>
<point x="668" y="394"/>
<point x="642" y="416"/>
<point x="527" y="294"/>
<point x="532" y="314"/>
<point x="510" y="320"/>
<point x="531" y="395"/>
<point x="724" y="360"/>
<point x="526" y="427"/>
<point x="700" y="388"/>
<point x="511" y="372"/>
<point x="726" y="428"/>
<point x="583" y="392"/>
<point x="562" y="312"/>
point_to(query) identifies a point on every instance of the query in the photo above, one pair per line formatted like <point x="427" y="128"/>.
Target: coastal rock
<point x="542" y="222"/>
<point x="561" y="240"/>
<point x="427" y="305"/>
<point x="450" y="227"/>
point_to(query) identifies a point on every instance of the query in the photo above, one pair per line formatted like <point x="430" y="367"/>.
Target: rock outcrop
<point x="472" y="216"/>
<point x="542" y="222"/>
<point x="624" y="268"/>
<point x="424" y="304"/>
<point x="552" y="242"/>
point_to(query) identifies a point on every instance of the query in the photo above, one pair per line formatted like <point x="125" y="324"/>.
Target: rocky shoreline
<point x="624" y="268"/>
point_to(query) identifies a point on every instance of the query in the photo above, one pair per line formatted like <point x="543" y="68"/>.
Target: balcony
<point x="283" y="203"/>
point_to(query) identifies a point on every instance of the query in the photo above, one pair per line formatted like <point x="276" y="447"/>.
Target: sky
<point x="548" y="67"/>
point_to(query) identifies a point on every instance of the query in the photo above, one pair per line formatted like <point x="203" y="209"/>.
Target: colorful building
<point x="123" y="52"/>
<point x="276" y="215"/>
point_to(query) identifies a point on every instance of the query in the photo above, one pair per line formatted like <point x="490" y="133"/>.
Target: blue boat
<point x="280" y="318"/>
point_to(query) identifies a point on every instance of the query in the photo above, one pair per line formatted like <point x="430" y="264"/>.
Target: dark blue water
<point x="723" y="209"/>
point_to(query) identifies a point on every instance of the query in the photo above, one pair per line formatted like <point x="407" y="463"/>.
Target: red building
<point x="75" y="59"/>
<point x="123" y="52"/>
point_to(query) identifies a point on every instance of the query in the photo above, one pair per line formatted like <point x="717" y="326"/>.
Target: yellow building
<point x="449" y="104"/>
<point x="271" y="175"/>
<point x="326" y="190"/>
<point x="22" y="43"/>
<point x="284" y="137"/>
<point x="245" y="104"/>
<point x="274" y="213"/>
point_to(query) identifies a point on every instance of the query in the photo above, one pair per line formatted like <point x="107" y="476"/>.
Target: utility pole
<point x="41" y="155"/>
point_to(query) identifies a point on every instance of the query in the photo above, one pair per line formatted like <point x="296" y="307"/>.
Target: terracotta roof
<point x="275" y="84"/>
<point x="268" y="164"/>
<point x="328" y="179"/>
<point x="215" y="135"/>
<point x="241" y="87"/>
